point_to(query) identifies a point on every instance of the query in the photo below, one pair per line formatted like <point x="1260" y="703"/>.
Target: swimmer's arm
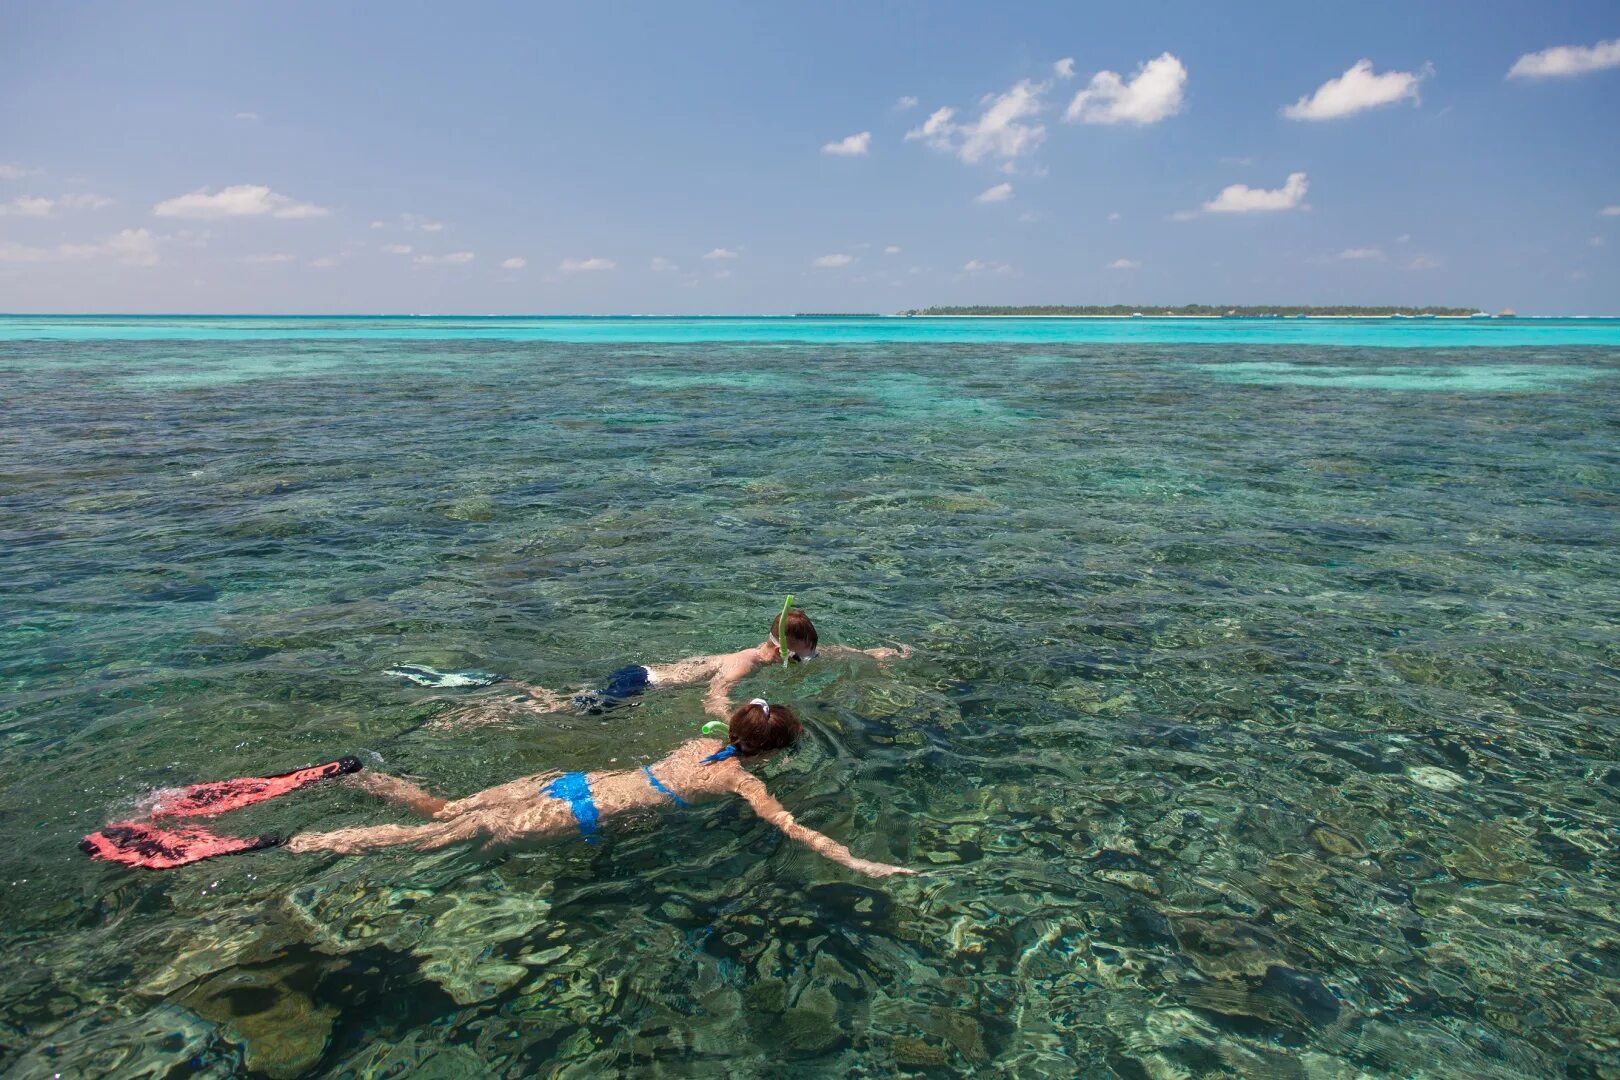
<point x="901" y="652"/>
<point x="765" y="805"/>
<point x="733" y="668"/>
<point x="717" y="702"/>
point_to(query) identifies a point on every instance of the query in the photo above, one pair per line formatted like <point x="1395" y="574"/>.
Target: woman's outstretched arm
<point x="765" y="805"/>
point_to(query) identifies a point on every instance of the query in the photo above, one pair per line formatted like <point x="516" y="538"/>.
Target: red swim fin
<point x="135" y="844"/>
<point x="206" y="800"/>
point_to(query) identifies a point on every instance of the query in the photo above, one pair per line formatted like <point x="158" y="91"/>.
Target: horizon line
<point x="1481" y="315"/>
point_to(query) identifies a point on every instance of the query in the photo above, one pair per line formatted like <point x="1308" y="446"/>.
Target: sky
<point x="706" y="158"/>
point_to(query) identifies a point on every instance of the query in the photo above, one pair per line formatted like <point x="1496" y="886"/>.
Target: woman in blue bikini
<point x="697" y="770"/>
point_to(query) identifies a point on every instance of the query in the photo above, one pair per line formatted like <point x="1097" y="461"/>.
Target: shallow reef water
<point x="1262" y="721"/>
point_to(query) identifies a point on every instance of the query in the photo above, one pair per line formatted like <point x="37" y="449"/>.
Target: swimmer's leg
<point x="544" y="700"/>
<point x="400" y="791"/>
<point x="506" y="798"/>
<point x="376" y="838"/>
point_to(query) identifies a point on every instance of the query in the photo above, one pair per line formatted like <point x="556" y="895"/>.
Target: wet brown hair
<point x="801" y="632"/>
<point x="759" y="729"/>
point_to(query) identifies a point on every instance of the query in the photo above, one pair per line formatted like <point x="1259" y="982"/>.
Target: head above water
<point x="759" y="727"/>
<point x="801" y="634"/>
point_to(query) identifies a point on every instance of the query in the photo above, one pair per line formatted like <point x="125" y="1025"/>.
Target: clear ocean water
<point x="1262" y="723"/>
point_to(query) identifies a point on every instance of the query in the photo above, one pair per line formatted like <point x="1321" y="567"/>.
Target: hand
<point x="904" y="651"/>
<point x="877" y="869"/>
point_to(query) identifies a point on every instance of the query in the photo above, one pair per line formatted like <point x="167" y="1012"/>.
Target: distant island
<point x="1207" y="311"/>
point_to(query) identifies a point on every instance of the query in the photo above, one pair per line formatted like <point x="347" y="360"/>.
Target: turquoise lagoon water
<point x="1262" y="723"/>
<point x="1390" y="333"/>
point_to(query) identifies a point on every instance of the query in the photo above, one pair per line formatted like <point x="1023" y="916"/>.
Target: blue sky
<point x="681" y="158"/>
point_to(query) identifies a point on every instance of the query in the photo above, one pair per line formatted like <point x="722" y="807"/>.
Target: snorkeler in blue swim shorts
<point x="721" y="671"/>
<point x="619" y="689"/>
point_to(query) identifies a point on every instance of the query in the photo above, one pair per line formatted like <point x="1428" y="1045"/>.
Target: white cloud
<point x="849" y="145"/>
<point x="907" y="102"/>
<point x="39" y="206"/>
<point x="27" y="206"/>
<point x="454" y="258"/>
<point x="253" y="116"/>
<point x="661" y="265"/>
<point x="22" y="253"/>
<point x="1064" y="68"/>
<point x="1424" y="262"/>
<point x="261" y="260"/>
<point x="1124" y="264"/>
<point x="15" y="172"/>
<point x="1609" y="211"/>
<point x="1356" y="90"/>
<point x="977" y="266"/>
<point x="892" y="249"/>
<point x="131" y="247"/>
<point x="721" y="275"/>
<point x="1115" y="216"/>
<point x="1404" y="238"/>
<point x="379" y="224"/>
<point x="999" y="193"/>
<point x="84" y="201"/>
<point x="326" y="262"/>
<point x="722" y="253"/>
<point x="397" y="249"/>
<point x="413" y="223"/>
<point x="1000" y="130"/>
<point x="1595" y="241"/>
<point x="1361" y="253"/>
<point x="1151" y="95"/>
<point x="574" y="266"/>
<point x="1243" y="199"/>
<point x="1567" y="60"/>
<point x="828" y="262"/>
<point x="238" y="200"/>
<point x="516" y="262"/>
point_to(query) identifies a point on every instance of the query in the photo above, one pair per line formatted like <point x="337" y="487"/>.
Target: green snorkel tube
<point x="781" y="629"/>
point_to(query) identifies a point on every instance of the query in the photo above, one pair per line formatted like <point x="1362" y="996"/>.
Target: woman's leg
<point x="375" y="838"/>
<point x="400" y="791"/>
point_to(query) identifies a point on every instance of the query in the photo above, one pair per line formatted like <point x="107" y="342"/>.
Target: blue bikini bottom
<point x="575" y="790"/>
